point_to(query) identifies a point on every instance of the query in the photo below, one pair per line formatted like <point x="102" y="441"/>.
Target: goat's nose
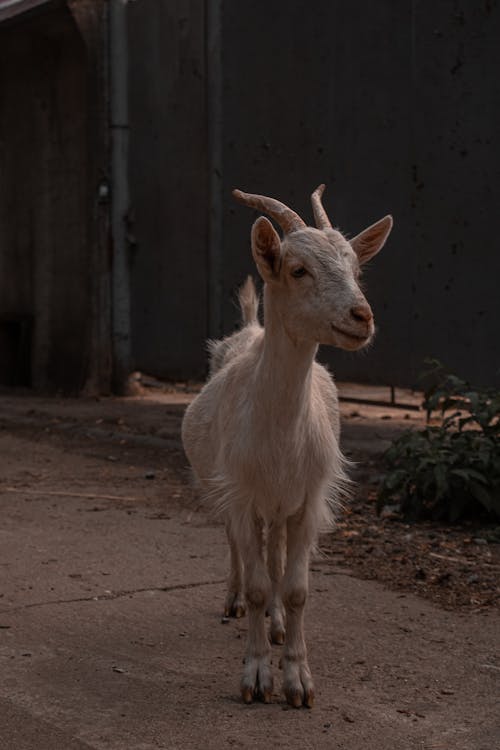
<point x="362" y="313"/>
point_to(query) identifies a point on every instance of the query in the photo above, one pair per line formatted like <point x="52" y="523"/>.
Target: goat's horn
<point x="320" y="217"/>
<point x="288" y="220"/>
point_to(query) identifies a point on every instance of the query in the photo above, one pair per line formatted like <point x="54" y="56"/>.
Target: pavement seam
<point x="114" y="595"/>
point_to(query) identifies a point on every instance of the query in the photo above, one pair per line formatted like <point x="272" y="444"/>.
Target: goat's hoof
<point x="247" y="694"/>
<point x="294" y="698"/>
<point x="235" y="611"/>
<point x="277" y="636"/>
<point x="257" y="681"/>
<point x="298" y="685"/>
<point x="308" y="700"/>
<point x="299" y="697"/>
<point x="235" y="605"/>
<point x="264" y="694"/>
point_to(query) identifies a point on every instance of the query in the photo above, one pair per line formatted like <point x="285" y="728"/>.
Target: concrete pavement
<point x="111" y="588"/>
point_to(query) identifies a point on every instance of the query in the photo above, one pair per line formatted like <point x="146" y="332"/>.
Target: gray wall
<point x="42" y="137"/>
<point x="169" y="186"/>
<point x="395" y="108"/>
<point x="54" y="299"/>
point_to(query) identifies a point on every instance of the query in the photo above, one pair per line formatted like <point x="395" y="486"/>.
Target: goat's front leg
<point x="297" y="684"/>
<point x="235" y="598"/>
<point x="257" y="679"/>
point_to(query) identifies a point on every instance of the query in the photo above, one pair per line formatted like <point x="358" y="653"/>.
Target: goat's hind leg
<point x="276" y="552"/>
<point x="235" y="599"/>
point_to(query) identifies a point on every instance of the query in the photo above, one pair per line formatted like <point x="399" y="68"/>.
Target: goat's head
<point x="313" y="273"/>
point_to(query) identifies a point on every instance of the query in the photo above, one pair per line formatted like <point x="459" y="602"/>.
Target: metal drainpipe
<point x="119" y="125"/>
<point x="215" y="216"/>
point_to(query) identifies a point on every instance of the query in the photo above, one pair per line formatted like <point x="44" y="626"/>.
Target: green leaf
<point x="452" y="468"/>
<point x="482" y="495"/>
<point x="457" y="507"/>
<point x="469" y="474"/>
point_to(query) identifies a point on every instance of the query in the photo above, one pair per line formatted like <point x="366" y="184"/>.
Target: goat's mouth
<point x="353" y="338"/>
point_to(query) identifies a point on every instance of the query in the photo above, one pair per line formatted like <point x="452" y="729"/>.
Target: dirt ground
<point x="112" y="581"/>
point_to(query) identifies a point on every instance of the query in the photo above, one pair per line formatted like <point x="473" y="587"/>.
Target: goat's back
<point x="232" y="362"/>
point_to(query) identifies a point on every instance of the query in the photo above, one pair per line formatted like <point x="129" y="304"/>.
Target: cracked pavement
<point x="111" y="591"/>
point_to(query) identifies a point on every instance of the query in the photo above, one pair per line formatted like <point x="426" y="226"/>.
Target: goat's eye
<point x="298" y="273"/>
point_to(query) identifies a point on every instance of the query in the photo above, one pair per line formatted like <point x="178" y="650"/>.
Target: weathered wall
<point x="168" y="184"/>
<point x="52" y="292"/>
<point x="395" y="108"/>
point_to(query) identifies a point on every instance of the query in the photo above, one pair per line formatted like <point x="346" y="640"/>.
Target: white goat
<point x="263" y="434"/>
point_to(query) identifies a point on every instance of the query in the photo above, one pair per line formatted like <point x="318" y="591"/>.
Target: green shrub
<point x="451" y="469"/>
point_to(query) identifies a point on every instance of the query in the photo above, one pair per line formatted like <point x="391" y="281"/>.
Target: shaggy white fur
<point x="263" y="434"/>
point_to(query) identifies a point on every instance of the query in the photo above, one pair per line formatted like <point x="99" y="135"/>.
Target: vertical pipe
<point x="119" y="126"/>
<point x="213" y="10"/>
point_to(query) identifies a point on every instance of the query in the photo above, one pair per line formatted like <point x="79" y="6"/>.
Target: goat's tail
<point x="249" y="301"/>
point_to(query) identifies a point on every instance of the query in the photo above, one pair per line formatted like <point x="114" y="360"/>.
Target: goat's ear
<point x="266" y="248"/>
<point x="368" y="242"/>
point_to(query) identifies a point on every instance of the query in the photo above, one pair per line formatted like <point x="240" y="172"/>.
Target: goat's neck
<point x="285" y="369"/>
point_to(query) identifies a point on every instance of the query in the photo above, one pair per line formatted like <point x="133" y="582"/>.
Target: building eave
<point x="12" y="10"/>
